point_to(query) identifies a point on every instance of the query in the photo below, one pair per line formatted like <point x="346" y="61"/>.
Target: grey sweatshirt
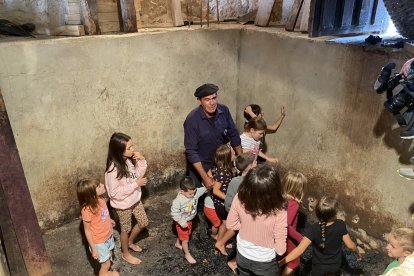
<point x="232" y="191"/>
<point x="184" y="209"/>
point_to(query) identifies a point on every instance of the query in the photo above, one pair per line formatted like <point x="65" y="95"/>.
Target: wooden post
<point x="201" y="13"/>
<point x="263" y="12"/>
<point x="18" y="203"/>
<point x="176" y="14"/>
<point x="293" y="15"/>
<point x="218" y="14"/>
<point x="129" y="16"/>
<point x="304" y="22"/>
<point x="89" y="17"/>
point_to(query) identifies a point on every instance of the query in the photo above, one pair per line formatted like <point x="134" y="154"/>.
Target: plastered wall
<point x="66" y="97"/>
<point x="336" y="130"/>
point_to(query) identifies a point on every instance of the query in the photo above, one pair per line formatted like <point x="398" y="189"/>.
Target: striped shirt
<point x="249" y="144"/>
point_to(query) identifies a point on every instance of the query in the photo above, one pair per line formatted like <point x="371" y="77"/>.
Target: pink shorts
<point x="212" y="216"/>
<point x="184" y="233"/>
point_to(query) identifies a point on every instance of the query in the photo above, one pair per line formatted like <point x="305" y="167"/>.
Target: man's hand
<point x="406" y="67"/>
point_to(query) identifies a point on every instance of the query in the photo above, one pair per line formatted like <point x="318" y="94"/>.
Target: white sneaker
<point x="406" y="173"/>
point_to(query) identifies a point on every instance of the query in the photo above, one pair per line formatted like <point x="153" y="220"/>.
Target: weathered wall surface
<point x="336" y="130"/>
<point x="66" y="97"/>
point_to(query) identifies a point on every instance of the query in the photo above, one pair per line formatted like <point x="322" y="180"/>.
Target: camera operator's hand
<point x="406" y="67"/>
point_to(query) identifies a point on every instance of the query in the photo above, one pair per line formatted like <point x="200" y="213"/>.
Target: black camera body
<point x="404" y="98"/>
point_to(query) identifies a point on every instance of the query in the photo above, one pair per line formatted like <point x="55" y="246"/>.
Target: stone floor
<point x="69" y="255"/>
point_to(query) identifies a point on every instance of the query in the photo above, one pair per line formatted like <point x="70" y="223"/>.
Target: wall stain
<point x="56" y="203"/>
<point x="354" y="200"/>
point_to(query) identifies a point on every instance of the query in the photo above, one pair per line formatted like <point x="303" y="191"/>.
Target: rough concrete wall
<point x="336" y="130"/>
<point x="66" y="97"/>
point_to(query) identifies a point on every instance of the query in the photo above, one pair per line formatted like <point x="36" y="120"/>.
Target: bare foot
<point x="220" y="248"/>
<point x="233" y="265"/>
<point x="135" y="247"/>
<point x="229" y="246"/>
<point x="178" y="245"/>
<point x="190" y="258"/>
<point x="214" y="236"/>
<point x="131" y="259"/>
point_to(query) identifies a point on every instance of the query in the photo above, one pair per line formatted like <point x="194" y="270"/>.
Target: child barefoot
<point x="400" y="245"/>
<point x="222" y="173"/>
<point x="258" y="213"/>
<point x="124" y="176"/>
<point x="211" y="215"/>
<point x="96" y="222"/>
<point x="183" y="210"/>
<point x="326" y="238"/>
<point x="293" y="185"/>
<point x="250" y="138"/>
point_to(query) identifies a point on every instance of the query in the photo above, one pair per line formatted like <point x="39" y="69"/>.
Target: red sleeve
<point x="292" y="212"/>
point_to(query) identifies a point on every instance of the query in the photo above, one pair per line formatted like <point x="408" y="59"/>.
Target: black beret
<point x="206" y="90"/>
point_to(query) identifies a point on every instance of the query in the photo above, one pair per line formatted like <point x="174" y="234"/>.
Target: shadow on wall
<point x="386" y="127"/>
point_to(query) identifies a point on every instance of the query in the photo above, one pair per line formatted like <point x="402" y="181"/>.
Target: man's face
<point x="209" y="104"/>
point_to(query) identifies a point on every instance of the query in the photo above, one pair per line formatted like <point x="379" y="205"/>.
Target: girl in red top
<point x="293" y="185"/>
<point x="96" y="222"/>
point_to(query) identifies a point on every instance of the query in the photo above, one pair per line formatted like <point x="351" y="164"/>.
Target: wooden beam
<point x="293" y="15"/>
<point x="304" y="22"/>
<point x="18" y="202"/>
<point x="177" y="16"/>
<point x="263" y="12"/>
<point x="128" y="16"/>
<point x="14" y="255"/>
<point x="89" y="17"/>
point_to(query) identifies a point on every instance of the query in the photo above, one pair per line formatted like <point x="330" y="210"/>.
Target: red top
<point x="292" y="220"/>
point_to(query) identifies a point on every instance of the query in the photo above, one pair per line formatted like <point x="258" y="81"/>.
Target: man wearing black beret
<point x="206" y="128"/>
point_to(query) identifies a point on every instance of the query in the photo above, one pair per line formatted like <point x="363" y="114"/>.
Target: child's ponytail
<point x="322" y="224"/>
<point x="326" y="212"/>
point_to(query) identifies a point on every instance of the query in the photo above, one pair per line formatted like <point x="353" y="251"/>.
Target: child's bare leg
<point x="178" y="244"/>
<point x="287" y="271"/>
<point x="221" y="243"/>
<point x="134" y="233"/>
<point x="232" y="264"/>
<point x="187" y="254"/>
<point x="125" y="253"/>
<point x="104" y="270"/>
<point x="221" y="232"/>
<point x="214" y="232"/>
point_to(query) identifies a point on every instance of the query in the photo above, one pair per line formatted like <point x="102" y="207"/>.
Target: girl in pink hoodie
<point x="124" y="176"/>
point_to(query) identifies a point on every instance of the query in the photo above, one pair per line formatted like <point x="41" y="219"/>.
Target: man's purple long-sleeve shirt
<point x="203" y="135"/>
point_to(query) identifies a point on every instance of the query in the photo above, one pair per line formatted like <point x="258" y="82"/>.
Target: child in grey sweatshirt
<point x="183" y="210"/>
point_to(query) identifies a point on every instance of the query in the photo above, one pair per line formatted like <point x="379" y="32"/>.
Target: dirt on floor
<point x="69" y="255"/>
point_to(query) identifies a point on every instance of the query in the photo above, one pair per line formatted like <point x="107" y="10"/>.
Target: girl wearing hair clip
<point x="326" y="238"/>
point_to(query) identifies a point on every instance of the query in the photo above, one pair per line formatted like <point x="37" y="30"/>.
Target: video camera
<point x="404" y="98"/>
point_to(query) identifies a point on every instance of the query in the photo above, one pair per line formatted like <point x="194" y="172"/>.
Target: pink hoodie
<point x="124" y="192"/>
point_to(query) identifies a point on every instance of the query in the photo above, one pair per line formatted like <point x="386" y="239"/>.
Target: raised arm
<point x="275" y="126"/>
